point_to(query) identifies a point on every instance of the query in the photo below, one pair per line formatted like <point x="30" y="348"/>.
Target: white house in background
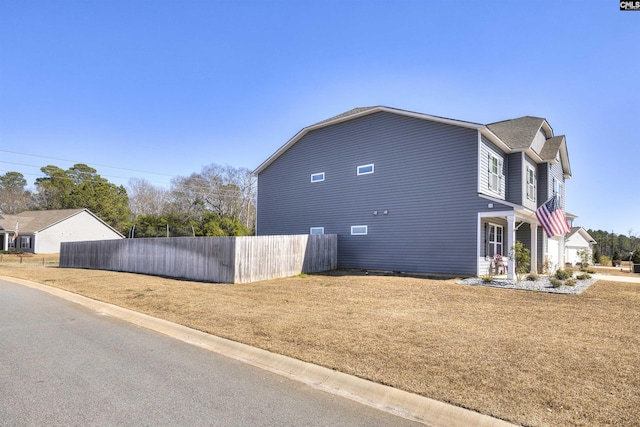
<point x="43" y="231"/>
<point x="575" y="241"/>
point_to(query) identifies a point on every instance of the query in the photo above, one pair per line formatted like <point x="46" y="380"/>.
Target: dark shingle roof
<point x="517" y="133"/>
<point x="551" y="147"/>
<point x="345" y="114"/>
<point x="34" y="221"/>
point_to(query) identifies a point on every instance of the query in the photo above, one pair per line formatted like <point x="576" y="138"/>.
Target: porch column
<point x="511" y="240"/>
<point x="534" y="248"/>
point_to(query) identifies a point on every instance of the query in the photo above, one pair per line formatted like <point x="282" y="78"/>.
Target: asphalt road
<point x="62" y="364"/>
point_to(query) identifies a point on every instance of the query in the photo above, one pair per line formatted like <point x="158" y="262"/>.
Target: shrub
<point x="583" y="276"/>
<point x="570" y="282"/>
<point x="556" y="283"/>
<point x="487" y="278"/>
<point x="522" y="257"/>
<point x="636" y="256"/>
<point x="564" y="274"/>
<point x="532" y="277"/>
<point x="604" y="260"/>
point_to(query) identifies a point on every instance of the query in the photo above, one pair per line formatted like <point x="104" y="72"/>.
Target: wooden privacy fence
<point x="209" y="259"/>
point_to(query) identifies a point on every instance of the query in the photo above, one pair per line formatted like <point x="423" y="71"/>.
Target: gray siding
<point x="425" y="178"/>
<point x="514" y="178"/>
<point x="544" y="191"/>
<point x="555" y="171"/>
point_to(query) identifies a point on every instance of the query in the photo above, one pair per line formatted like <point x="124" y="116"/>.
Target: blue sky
<point x="155" y="89"/>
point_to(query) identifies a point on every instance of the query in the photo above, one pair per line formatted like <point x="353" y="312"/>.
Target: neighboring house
<point x="43" y="231"/>
<point x="412" y="192"/>
<point x="576" y="241"/>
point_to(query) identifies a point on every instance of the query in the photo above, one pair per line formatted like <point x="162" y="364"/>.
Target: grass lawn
<point x="531" y="358"/>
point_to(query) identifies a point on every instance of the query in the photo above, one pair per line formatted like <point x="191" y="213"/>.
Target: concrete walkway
<point x="407" y="405"/>
<point x="626" y="279"/>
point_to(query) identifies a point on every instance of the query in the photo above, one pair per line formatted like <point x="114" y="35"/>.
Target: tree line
<point x="218" y="201"/>
<point x="614" y="246"/>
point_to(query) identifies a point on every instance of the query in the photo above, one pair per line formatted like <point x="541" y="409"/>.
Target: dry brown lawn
<point x="531" y="358"/>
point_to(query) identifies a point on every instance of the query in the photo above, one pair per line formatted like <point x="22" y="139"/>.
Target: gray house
<point x="412" y="192"/>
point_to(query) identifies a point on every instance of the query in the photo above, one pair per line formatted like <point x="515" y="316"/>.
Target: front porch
<point x="497" y="233"/>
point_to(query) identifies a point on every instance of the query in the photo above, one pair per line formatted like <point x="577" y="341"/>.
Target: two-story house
<point x="412" y="192"/>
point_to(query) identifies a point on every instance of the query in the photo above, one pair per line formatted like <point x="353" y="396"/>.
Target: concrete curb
<point x="407" y="405"/>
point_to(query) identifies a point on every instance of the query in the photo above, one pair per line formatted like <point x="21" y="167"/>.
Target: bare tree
<point x="223" y="190"/>
<point x="146" y="198"/>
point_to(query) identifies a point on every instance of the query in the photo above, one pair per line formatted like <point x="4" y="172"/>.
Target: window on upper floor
<point x="557" y="188"/>
<point x="365" y="169"/>
<point x="495" y="173"/>
<point x="317" y="177"/>
<point x="531" y="183"/>
<point x="316" y="230"/>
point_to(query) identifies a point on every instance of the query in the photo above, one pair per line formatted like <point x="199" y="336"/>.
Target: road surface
<point x="62" y="364"/>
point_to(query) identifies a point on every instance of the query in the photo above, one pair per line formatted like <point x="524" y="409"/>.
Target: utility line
<point x="201" y="188"/>
<point x="80" y="162"/>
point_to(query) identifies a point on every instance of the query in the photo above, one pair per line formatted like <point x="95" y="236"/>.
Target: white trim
<point x="480" y="189"/>
<point x="495" y="242"/>
<point x="497" y="176"/>
<point x="534" y="184"/>
<point x="503" y="202"/>
<point x="366" y="230"/>
<point x="311" y="229"/>
<point x="358" y="173"/>
<point x="317" y="174"/>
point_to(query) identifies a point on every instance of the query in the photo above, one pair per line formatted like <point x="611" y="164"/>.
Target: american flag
<point x="552" y="218"/>
<point x="15" y="232"/>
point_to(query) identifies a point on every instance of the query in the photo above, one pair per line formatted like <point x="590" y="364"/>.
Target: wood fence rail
<point x="209" y="259"/>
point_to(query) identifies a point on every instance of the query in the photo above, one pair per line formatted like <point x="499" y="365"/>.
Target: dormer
<point x="533" y="136"/>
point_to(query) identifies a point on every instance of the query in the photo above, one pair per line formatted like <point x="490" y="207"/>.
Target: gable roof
<point x="517" y="133"/>
<point x="31" y="222"/>
<point x="510" y="135"/>
<point x="585" y="235"/>
<point x="356" y="113"/>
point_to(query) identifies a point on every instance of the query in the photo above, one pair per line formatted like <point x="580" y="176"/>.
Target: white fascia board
<point x="494" y="138"/>
<point x="459" y="123"/>
<point x="564" y="158"/>
<point x="503" y="202"/>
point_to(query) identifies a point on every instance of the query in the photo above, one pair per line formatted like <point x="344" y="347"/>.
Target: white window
<point x="365" y="169"/>
<point x="359" y="230"/>
<point x="495" y="173"/>
<point x="495" y="236"/>
<point x="531" y="184"/>
<point x="317" y="177"/>
<point x="25" y="242"/>
<point x="316" y="230"/>
<point x="557" y="188"/>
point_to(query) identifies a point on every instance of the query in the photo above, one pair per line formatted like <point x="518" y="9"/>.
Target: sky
<point x="155" y="89"/>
